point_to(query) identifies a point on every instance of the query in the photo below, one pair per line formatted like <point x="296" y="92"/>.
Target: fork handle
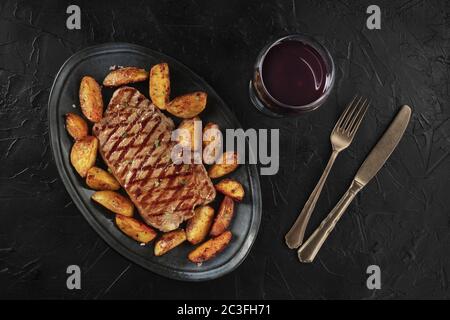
<point x="311" y="247"/>
<point x="295" y="235"/>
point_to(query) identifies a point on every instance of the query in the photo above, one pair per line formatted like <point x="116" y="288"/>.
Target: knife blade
<point x="371" y="165"/>
<point x="384" y="147"/>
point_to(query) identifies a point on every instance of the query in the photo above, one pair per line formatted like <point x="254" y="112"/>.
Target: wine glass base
<point x="259" y="104"/>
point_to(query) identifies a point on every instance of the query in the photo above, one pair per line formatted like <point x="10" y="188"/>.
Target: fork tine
<point x="351" y="115"/>
<point x="359" y="119"/>
<point x="355" y="115"/>
<point x="344" y="114"/>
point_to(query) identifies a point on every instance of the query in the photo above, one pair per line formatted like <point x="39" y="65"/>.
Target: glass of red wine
<point x="293" y="75"/>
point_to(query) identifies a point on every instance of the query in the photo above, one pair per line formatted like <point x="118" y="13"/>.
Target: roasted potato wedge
<point x="210" y="248"/>
<point x="212" y="143"/>
<point x="169" y="240"/>
<point x="223" y="217"/>
<point x="231" y="188"/>
<point x="76" y="126"/>
<point x="228" y="164"/>
<point x="99" y="179"/>
<point x="122" y="76"/>
<point x="84" y="154"/>
<point x="159" y="85"/>
<point x="135" y="229"/>
<point x="198" y="226"/>
<point x="188" y="105"/>
<point x="187" y="136"/>
<point x="91" y="100"/>
<point x="114" y="201"/>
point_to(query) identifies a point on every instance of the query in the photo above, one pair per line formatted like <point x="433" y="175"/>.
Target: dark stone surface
<point x="400" y="222"/>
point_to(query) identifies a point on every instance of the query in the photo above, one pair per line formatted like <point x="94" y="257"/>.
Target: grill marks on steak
<point x="135" y="143"/>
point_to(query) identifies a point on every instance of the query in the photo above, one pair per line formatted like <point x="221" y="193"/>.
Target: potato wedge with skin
<point x="135" y="229"/>
<point x="99" y="179"/>
<point x="223" y="217"/>
<point x="122" y="76"/>
<point x="159" y="85"/>
<point x="168" y="241"/>
<point x="91" y="100"/>
<point x="76" y="126"/>
<point x="84" y="154"/>
<point x="212" y="143"/>
<point x="229" y="163"/>
<point x="188" y="105"/>
<point x="114" y="202"/>
<point x="210" y="248"/>
<point x="198" y="226"/>
<point x="231" y="188"/>
<point x="187" y="135"/>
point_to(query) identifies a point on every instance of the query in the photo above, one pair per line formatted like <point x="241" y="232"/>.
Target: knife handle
<point x="311" y="247"/>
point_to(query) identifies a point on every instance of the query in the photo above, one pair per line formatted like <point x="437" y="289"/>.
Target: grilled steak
<point x="135" y="143"/>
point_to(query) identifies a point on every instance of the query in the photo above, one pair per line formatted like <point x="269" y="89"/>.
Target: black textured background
<point x="400" y="222"/>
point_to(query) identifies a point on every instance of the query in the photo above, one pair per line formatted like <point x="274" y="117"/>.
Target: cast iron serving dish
<point x="96" y="61"/>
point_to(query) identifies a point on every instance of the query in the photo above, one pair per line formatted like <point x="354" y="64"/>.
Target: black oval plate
<point x="96" y="61"/>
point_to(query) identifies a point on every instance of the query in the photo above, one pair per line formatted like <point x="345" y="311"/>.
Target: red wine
<point x="294" y="73"/>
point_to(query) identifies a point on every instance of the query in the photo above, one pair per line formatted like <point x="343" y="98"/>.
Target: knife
<point x="373" y="163"/>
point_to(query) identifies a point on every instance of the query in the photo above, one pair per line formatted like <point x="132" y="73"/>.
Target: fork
<point x="341" y="137"/>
